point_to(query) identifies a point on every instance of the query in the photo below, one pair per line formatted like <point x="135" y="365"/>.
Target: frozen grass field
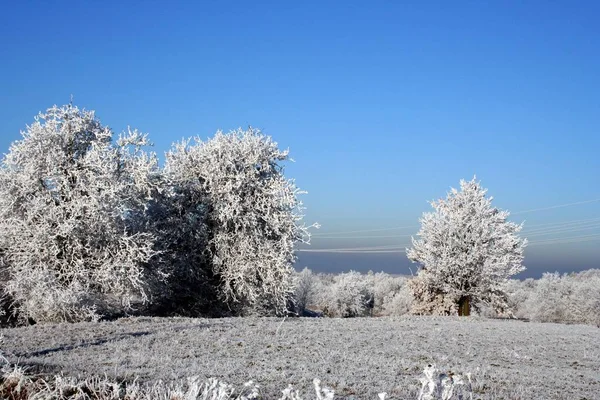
<point x="357" y="357"/>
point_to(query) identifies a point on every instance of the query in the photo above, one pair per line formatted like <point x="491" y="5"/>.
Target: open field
<point x="357" y="357"/>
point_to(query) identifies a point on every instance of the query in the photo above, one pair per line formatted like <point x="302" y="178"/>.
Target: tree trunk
<point x="464" y="306"/>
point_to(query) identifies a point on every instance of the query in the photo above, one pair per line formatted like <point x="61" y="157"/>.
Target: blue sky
<point x="384" y="105"/>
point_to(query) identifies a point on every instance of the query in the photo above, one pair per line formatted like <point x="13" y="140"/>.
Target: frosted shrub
<point x="384" y="287"/>
<point x="306" y="287"/>
<point x="68" y="239"/>
<point x="399" y="303"/>
<point x="587" y="297"/>
<point x="551" y="299"/>
<point x="427" y="300"/>
<point x="391" y="294"/>
<point x="46" y="299"/>
<point x="518" y="293"/>
<point x="466" y="251"/>
<point x="354" y="294"/>
<point x="349" y="296"/>
<point x="252" y="214"/>
<point x="573" y="298"/>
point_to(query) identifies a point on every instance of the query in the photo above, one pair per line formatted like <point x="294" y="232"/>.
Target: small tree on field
<point x="466" y="251"/>
<point x="251" y="215"/>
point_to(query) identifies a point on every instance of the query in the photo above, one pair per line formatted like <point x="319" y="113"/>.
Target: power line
<point x="350" y="251"/>
<point x="396" y="248"/>
<point x="573" y="239"/>
<point x="333" y="234"/>
<point x="557" y="224"/>
<point x="364" y="231"/>
<point x="365" y="248"/>
<point x="542" y="230"/>
<point x="569" y="226"/>
<point x="402" y="248"/>
<point x="565" y="229"/>
<point x="558" y="206"/>
<point x="364" y="237"/>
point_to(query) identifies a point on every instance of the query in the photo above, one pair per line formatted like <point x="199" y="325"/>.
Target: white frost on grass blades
<point x="467" y="250"/>
<point x="508" y="358"/>
<point x="441" y="386"/>
<point x="67" y="241"/>
<point x="15" y="383"/>
<point x="253" y="213"/>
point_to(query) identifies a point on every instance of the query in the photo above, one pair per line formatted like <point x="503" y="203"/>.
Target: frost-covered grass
<point x="357" y="358"/>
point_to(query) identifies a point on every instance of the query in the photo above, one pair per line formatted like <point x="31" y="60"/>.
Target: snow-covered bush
<point x="70" y="242"/>
<point x="518" y="293"/>
<point x="569" y="298"/>
<point x="350" y="295"/>
<point x="251" y="214"/>
<point x="586" y="307"/>
<point x="549" y="301"/>
<point x="466" y="251"/>
<point x="391" y="294"/>
<point x="400" y="303"/>
<point x="306" y="288"/>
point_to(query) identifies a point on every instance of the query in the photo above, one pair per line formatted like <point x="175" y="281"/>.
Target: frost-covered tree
<point x="466" y="251"/>
<point x="71" y="240"/>
<point x="251" y="214"/>
<point x="306" y="287"/>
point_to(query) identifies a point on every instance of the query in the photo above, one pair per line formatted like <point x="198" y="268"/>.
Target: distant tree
<point x="567" y="298"/>
<point x="466" y="251"/>
<point x="249" y="213"/>
<point x="391" y="294"/>
<point x="350" y="295"/>
<point x="305" y="290"/>
<point x="71" y="242"/>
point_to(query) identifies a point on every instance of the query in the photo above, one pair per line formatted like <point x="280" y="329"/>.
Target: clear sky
<point x="384" y="105"/>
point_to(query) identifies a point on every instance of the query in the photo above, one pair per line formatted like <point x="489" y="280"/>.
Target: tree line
<point x="92" y="225"/>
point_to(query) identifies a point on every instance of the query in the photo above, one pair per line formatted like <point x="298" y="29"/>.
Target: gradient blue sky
<point x="384" y="105"/>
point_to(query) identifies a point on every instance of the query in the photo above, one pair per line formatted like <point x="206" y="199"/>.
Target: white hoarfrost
<point x="466" y="250"/>
<point x="253" y="214"/>
<point x="437" y="385"/>
<point x="68" y="241"/>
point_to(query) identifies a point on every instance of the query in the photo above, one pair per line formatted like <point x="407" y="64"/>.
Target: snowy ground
<point x="356" y="357"/>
